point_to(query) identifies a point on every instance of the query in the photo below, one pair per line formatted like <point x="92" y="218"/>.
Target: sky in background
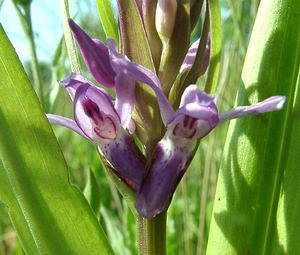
<point x="47" y="25"/>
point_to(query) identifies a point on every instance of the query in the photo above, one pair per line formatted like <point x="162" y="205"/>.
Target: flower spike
<point x="104" y="121"/>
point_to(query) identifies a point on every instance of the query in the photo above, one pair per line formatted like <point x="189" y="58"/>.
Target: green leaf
<point x="92" y="192"/>
<point x="195" y="11"/>
<point x="216" y="44"/>
<point x="108" y="20"/>
<point x="257" y="197"/>
<point x="289" y="201"/>
<point x="50" y="215"/>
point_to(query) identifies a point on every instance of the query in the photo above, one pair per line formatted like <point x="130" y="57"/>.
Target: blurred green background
<point x="190" y="211"/>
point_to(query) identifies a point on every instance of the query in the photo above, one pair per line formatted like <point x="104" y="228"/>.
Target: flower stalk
<point x="151" y="235"/>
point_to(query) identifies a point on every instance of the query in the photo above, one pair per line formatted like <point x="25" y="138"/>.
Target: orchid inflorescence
<point x="108" y="122"/>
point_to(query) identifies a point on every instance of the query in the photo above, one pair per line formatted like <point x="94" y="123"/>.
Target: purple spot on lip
<point x="186" y="128"/>
<point x="106" y="129"/>
<point x="91" y="109"/>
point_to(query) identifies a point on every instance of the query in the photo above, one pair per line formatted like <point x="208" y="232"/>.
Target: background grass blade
<point x="108" y="20"/>
<point x="72" y="52"/>
<point x="259" y="168"/>
<point x="50" y="215"/>
<point x="216" y="45"/>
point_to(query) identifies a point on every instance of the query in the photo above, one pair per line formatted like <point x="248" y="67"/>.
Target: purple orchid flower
<point x="195" y="118"/>
<point x="96" y="119"/>
<point x="103" y="121"/>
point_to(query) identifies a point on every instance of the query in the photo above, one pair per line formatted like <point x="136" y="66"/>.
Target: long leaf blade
<point x="108" y="21"/>
<point x="50" y="215"/>
<point x="216" y="44"/>
<point x="257" y="151"/>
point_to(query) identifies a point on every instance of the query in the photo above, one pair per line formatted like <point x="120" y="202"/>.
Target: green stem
<point x="151" y="235"/>
<point x="26" y="23"/>
<point x="37" y="78"/>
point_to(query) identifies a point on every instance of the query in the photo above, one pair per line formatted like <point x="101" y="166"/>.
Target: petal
<point x="96" y="56"/>
<point x="126" y="159"/>
<point x="193" y="95"/>
<point x="122" y="64"/>
<point x="75" y="80"/>
<point x="196" y="117"/>
<point x="125" y="89"/>
<point x="65" y="122"/>
<point x="166" y="172"/>
<point x="190" y="57"/>
<point x="270" y="104"/>
<point x="72" y="83"/>
<point x="95" y="115"/>
<point x="201" y="112"/>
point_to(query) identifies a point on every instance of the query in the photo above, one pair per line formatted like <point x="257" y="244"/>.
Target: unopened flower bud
<point x="165" y="18"/>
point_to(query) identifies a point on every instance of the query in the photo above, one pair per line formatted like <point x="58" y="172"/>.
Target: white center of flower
<point x="103" y="125"/>
<point x="186" y="128"/>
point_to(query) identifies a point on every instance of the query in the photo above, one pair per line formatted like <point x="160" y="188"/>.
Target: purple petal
<point x="125" y="90"/>
<point x="65" y="122"/>
<point x="126" y="159"/>
<point x="75" y="80"/>
<point x="159" y="185"/>
<point x="193" y="95"/>
<point x="270" y="104"/>
<point x="124" y="104"/>
<point x="122" y="64"/>
<point x="95" y="114"/>
<point x="96" y="56"/>
<point x="190" y="57"/>
<point x="197" y="115"/>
